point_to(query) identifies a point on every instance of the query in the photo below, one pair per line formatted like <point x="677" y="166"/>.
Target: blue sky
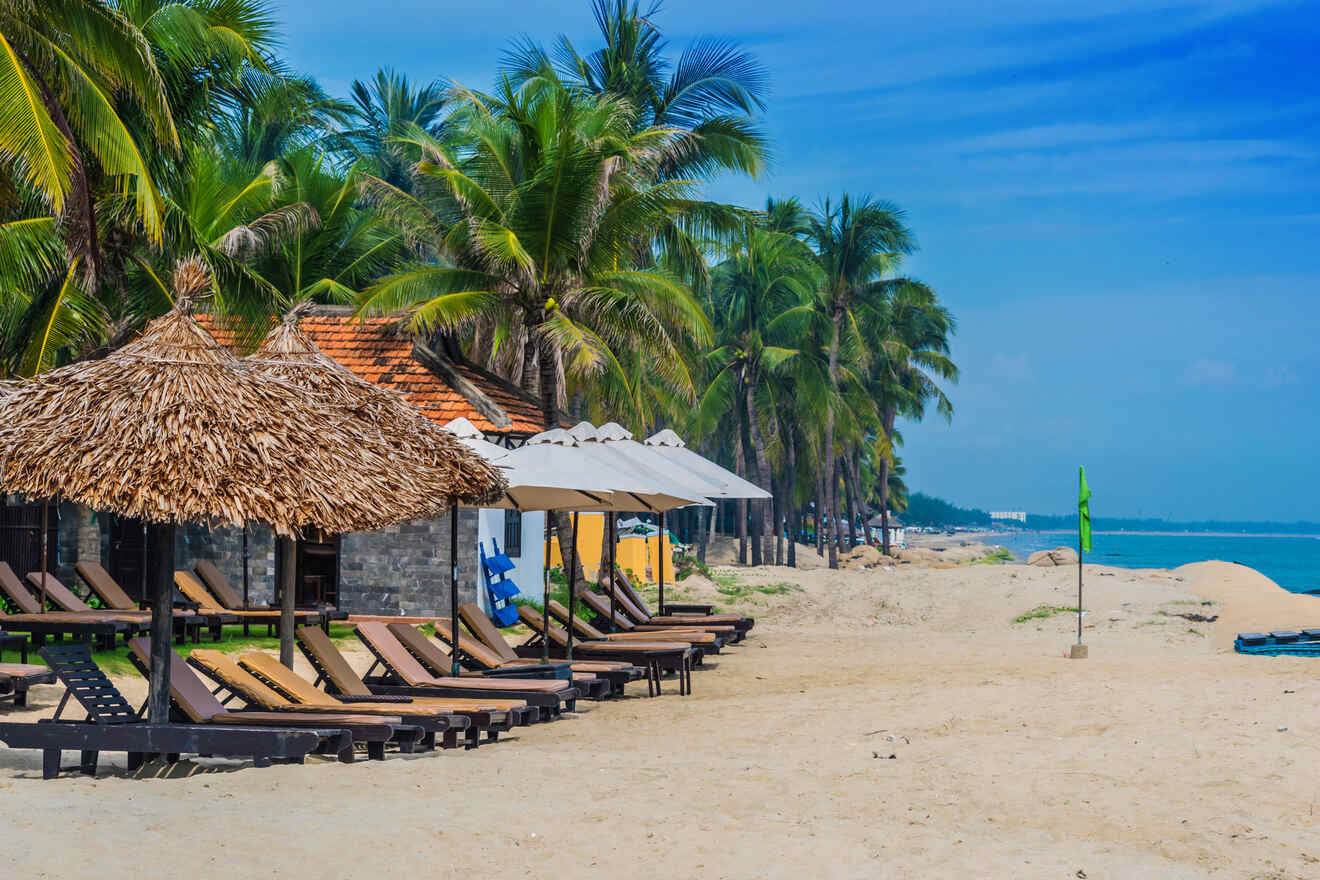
<point x="1118" y="199"/>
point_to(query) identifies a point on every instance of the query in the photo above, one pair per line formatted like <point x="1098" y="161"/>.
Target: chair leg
<point x="50" y="763"/>
<point x="376" y="751"/>
<point x="87" y="762"/>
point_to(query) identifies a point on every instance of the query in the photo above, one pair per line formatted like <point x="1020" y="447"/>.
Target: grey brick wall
<point x="405" y="569"/>
<point x="401" y="570"/>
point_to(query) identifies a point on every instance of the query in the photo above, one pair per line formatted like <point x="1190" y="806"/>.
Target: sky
<point x="1117" y="199"/>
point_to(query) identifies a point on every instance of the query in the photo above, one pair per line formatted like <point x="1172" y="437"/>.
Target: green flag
<point x="1084" y="512"/>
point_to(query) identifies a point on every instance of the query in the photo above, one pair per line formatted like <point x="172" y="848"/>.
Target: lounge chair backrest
<point x="601" y="605"/>
<point x="427" y="652"/>
<point x="73" y="665"/>
<point x="283" y="679"/>
<point x="194" y="590"/>
<point x="627" y="606"/>
<point x="103" y="585"/>
<point x="12" y="587"/>
<point x="477" y="650"/>
<point x="377" y="637"/>
<point x="326" y="659"/>
<point x="218" y="584"/>
<point x="626" y="587"/>
<point x="485" y="630"/>
<point x="187" y="691"/>
<point x="580" y="626"/>
<point x="56" y="592"/>
<point x="537" y="622"/>
<point x="250" y="689"/>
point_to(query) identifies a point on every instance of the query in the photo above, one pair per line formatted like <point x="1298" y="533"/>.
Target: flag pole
<point x="1079" y="585"/>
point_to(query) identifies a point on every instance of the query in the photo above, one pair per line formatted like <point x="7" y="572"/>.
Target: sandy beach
<point x="884" y="722"/>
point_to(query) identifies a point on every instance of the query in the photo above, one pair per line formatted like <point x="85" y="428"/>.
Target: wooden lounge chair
<point x="655" y="657"/>
<point x="112" y="725"/>
<point x="39" y="623"/>
<point x="256" y="693"/>
<point x="192" y="700"/>
<point x="17" y="641"/>
<point x="631" y="618"/>
<point x="487" y="647"/>
<point x="437" y="661"/>
<point x="400" y="668"/>
<point x="191" y="587"/>
<point x="706" y="642"/>
<point x="333" y="669"/>
<point x="186" y="624"/>
<point x="624" y="590"/>
<point x="218" y="585"/>
<point x="107" y="589"/>
<point x="16" y="678"/>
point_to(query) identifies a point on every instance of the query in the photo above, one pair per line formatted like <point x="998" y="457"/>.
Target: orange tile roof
<point x="376" y="351"/>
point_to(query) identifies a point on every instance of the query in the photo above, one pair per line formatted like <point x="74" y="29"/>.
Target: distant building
<point x="1017" y="515"/>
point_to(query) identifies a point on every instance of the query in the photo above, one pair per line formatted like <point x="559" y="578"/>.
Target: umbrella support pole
<point x="572" y="593"/>
<point x="453" y="584"/>
<point x="45" y="549"/>
<point x="612" y="535"/>
<point x="288" y="599"/>
<point x="160" y="589"/>
<point x="545" y="588"/>
<point x="660" y="554"/>
<point x="246" y="577"/>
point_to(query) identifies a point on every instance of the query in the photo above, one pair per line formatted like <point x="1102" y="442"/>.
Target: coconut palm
<point x="710" y="93"/>
<point x="857" y="242"/>
<point x="530" y="224"/>
<point x="909" y="332"/>
<point x="757" y="296"/>
<point x="385" y="108"/>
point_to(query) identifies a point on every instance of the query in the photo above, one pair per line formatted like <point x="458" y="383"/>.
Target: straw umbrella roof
<point x="172" y="428"/>
<point x="392" y="428"/>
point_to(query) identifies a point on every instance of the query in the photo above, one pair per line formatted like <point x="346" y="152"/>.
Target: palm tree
<point x="530" y="224"/>
<point x="710" y="93"/>
<point x="909" y="335"/>
<point x="757" y="296"/>
<point x="856" y="242"/>
<point x="384" y="109"/>
<point x="73" y="75"/>
<point x="273" y="113"/>
<point x="125" y="85"/>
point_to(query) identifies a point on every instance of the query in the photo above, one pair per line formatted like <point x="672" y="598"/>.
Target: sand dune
<point x="892" y="722"/>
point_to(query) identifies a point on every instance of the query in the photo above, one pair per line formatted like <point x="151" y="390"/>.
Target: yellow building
<point x="637" y="556"/>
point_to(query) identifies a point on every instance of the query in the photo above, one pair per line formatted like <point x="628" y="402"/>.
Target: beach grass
<point x="1041" y="612"/>
<point x="997" y="556"/>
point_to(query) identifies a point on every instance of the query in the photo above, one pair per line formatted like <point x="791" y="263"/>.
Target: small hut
<point x="172" y="428"/>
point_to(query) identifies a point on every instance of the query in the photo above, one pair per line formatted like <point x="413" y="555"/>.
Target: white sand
<point x="1158" y="757"/>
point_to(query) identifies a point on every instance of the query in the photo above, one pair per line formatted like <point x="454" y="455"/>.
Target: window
<point x="512" y="534"/>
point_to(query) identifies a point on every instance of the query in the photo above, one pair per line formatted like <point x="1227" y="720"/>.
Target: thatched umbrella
<point x="172" y="428"/>
<point x="422" y="451"/>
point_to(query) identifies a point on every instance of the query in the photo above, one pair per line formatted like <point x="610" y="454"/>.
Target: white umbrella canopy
<point x="620" y="443"/>
<point x="549" y="472"/>
<point x="669" y="445"/>
<point x="473" y="439"/>
<point x="656" y="491"/>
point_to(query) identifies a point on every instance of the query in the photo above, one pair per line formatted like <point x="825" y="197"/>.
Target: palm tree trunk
<point x="548" y="392"/>
<point x="836" y="479"/>
<point x="778" y="503"/>
<point x="740" y="469"/>
<point x="831" y="489"/>
<point x="766" y="507"/>
<point x="820" y="513"/>
<point x="883" y="477"/>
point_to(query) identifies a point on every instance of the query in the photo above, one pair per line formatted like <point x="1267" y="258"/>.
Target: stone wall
<point x="224" y="546"/>
<point x="401" y="570"/>
<point x="405" y="569"/>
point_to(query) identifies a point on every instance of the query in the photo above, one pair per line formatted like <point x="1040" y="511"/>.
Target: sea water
<point x="1291" y="561"/>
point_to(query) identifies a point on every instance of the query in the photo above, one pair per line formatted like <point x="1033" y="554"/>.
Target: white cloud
<point x="1206" y="371"/>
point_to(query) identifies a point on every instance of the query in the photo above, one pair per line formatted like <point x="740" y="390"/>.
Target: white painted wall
<point x="528" y="574"/>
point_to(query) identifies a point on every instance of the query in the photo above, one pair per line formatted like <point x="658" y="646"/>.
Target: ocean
<point x="1291" y="561"/>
